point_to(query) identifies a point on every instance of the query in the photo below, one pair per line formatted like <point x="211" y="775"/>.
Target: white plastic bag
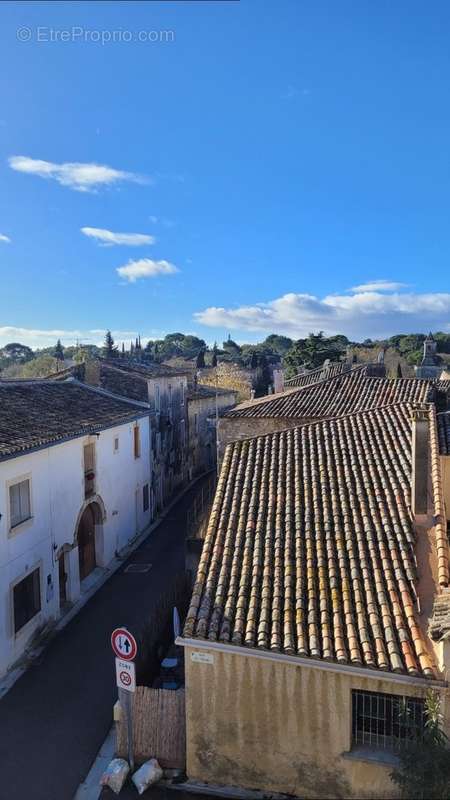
<point x="147" y="775"/>
<point x="115" y="774"/>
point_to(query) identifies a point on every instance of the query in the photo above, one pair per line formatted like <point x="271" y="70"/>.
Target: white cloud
<point x="360" y="315"/>
<point x="145" y="268"/>
<point x="378" y="286"/>
<point x="4" y="238"/>
<point x="109" y="238"/>
<point x="38" y="338"/>
<point x="80" y="177"/>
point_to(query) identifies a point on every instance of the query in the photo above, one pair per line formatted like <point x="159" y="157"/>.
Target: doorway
<point x="62" y="581"/>
<point x="86" y="540"/>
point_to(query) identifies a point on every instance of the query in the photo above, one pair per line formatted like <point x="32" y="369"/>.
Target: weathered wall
<point x="280" y="727"/>
<point x="231" y="429"/>
<point x="230" y="376"/>
<point x="202" y="441"/>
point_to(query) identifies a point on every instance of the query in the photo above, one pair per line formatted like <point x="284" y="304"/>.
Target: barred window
<point x="385" y="721"/>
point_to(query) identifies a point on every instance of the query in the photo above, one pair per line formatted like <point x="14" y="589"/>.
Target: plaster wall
<point x="57" y="501"/>
<point x="276" y="726"/>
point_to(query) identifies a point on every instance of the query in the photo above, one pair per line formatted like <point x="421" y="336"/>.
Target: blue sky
<point x="284" y="163"/>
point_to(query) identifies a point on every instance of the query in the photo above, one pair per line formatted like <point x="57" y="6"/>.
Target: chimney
<point x="92" y="372"/>
<point x="420" y="468"/>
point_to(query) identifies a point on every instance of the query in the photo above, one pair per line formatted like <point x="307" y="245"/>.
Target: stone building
<point x="430" y="366"/>
<point x="342" y="393"/>
<point x="203" y="404"/>
<point x="75" y="477"/>
<point x="164" y="389"/>
<point x="321" y="607"/>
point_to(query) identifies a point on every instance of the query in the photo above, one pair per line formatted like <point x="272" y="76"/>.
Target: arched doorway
<point x="86" y="539"/>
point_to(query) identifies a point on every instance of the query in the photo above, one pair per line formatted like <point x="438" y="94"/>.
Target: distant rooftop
<point x="343" y="394"/>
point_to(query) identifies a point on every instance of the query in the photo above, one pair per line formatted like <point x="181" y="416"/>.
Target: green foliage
<point x="313" y="351"/>
<point x="231" y="347"/>
<point x="214" y="356"/>
<point x="58" y="352"/>
<point x="109" y="348"/>
<point x="424" y="769"/>
<point x="15" y="353"/>
<point x="277" y="344"/>
<point x="200" y="360"/>
<point x="38" y="367"/>
<point x="175" y="344"/>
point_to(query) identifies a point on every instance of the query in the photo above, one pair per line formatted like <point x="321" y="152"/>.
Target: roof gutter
<point x="311" y="663"/>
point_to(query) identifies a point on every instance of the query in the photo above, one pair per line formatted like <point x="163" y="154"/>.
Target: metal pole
<point x="217" y="424"/>
<point x="126" y="702"/>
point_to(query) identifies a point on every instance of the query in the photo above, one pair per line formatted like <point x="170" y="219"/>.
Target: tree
<point x="313" y="351"/>
<point x="200" y="360"/>
<point x="16" y="352"/>
<point x="399" y="370"/>
<point x="424" y="769"/>
<point x="231" y="347"/>
<point x="254" y="361"/>
<point x="58" y="352"/>
<point x="109" y="348"/>
<point x="214" y="356"/>
<point x="278" y="344"/>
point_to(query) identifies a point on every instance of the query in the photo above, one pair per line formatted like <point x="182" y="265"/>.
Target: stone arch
<point x="88" y="537"/>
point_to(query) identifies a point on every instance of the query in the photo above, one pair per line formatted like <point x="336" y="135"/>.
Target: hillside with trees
<point x="401" y="353"/>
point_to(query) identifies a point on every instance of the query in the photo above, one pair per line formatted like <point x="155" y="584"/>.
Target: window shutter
<point x="14" y="502"/>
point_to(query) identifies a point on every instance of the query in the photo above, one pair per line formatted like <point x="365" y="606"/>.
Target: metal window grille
<point x="385" y="721"/>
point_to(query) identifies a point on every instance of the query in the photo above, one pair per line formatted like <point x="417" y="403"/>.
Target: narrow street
<point x="55" y="718"/>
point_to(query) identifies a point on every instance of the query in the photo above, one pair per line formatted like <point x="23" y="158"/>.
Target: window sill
<point x="21" y="526"/>
<point x="372" y="755"/>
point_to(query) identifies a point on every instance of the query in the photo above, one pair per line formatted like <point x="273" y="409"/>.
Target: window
<point x="385" y="720"/>
<point x="157" y="399"/>
<point x="137" y="441"/>
<point x="116" y="444"/>
<point x="89" y="470"/>
<point x="145" y="497"/>
<point x="19" y="502"/>
<point x="27" y="599"/>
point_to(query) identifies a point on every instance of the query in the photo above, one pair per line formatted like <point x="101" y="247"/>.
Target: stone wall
<point x="230" y="376"/>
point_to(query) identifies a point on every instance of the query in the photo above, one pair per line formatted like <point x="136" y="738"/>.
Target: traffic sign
<point x="125" y="675"/>
<point x="124" y="644"/>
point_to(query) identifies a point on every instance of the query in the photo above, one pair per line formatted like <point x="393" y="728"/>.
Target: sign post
<point x="125" y="648"/>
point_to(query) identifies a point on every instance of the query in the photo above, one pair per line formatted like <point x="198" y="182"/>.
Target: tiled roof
<point x="200" y="391"/>
<point x="443" y="421"/>
<point x="321" y="373"/>
<point x="148" y="370"/>
<point x="38" y="413"/>
<point x="310" y="546"/>
<point x="344" y="394"/>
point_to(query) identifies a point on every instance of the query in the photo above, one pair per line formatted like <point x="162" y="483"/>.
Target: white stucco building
<point x="75" y="474"/>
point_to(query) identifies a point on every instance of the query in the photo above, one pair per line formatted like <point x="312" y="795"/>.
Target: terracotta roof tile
<point x="39" y="413"/>
<point x="344" y="394"/>
<point x="443" y="421"/>
<point x="310" y="545"/>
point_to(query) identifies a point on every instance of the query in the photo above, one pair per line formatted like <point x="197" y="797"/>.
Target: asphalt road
<point x="55" y="718"/>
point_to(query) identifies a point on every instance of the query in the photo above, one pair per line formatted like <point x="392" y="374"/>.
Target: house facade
<point x="75" y="473"/>
<point x="164" y="390"/>
<point x="204" y="403"/>
<point x="321" y="607"/>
